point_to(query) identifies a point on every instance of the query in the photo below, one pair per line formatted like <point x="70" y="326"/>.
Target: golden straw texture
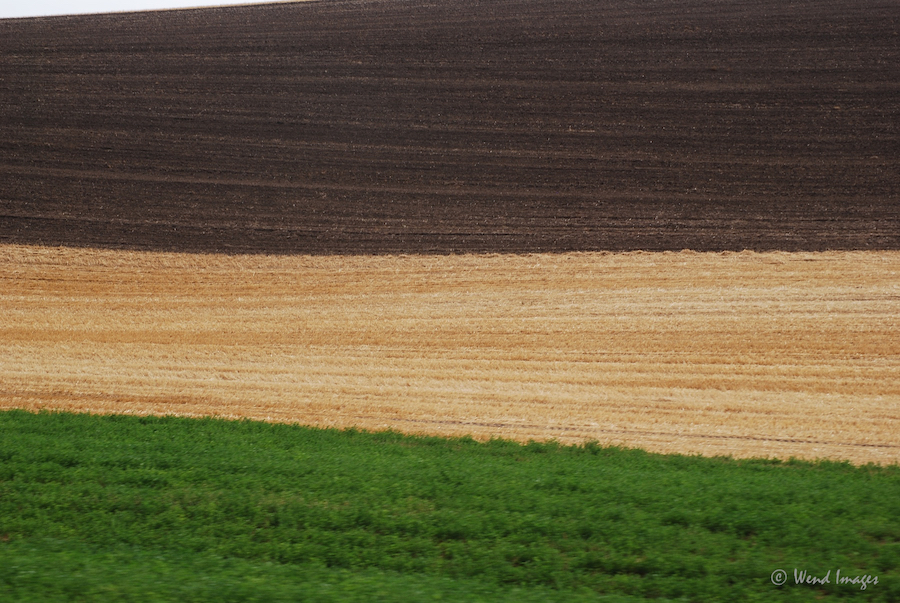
<point x="748" y="354"/>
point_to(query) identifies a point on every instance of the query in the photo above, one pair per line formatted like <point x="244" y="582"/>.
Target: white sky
<point x="42" y="8"/>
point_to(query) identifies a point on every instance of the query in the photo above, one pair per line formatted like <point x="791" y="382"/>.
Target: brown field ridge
<point x="404" y="126"/>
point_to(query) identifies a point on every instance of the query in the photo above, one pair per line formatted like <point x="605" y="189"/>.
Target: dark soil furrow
<point x="386" y="126"/>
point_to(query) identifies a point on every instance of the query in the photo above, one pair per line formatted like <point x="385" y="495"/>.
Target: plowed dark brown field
<point x="465" y="126"/>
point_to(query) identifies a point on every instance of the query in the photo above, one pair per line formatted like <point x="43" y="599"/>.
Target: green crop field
<point x="119" y="508"/>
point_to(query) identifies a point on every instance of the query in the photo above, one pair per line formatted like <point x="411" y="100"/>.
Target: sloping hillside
<point x="410" y="126"/>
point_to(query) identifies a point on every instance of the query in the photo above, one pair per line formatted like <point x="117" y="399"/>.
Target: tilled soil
<point x="362" y="127"/>
<point x="357" y="127"/>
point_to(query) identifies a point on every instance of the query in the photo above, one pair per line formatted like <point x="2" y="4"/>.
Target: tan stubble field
<point x="747" y="354"/>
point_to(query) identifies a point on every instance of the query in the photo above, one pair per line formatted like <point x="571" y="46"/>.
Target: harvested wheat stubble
<point x="748" y="354"/>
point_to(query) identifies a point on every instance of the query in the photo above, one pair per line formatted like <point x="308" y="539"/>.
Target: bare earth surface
<point x="410" y="126"/>
<point x="748" y="354"/>
<point x="433" y="190"/>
